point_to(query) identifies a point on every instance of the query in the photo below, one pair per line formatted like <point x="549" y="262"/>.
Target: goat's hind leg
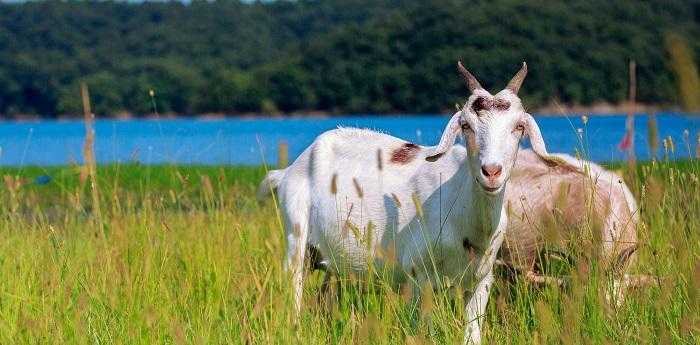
<point x="621" y="281"/>
<point x="294" y="264"/>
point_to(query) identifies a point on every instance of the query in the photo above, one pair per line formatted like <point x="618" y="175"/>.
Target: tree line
<point x="336" y="56"/>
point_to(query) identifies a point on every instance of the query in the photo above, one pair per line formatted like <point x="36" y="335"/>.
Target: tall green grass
<point x="191" y="257"/>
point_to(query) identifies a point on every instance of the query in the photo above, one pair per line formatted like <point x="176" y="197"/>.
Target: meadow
<point x="188" y="255"/>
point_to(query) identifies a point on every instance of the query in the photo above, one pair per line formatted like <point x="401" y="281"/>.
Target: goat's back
<point x="344" y="187"/>
<point x="567" y="207"/>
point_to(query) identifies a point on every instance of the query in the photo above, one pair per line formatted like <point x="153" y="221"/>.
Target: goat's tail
<point x="270" y="183"/>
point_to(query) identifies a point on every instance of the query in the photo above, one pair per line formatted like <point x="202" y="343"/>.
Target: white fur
<point x="445" y="189"/>
<point x="345" y="196"/>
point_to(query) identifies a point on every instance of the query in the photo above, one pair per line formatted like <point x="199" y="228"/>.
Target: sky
<point x="185" y="1"/>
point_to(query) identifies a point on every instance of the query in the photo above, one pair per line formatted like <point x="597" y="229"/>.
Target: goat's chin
<point x="490" y="189"/>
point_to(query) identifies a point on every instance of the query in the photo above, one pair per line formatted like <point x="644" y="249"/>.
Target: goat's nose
<point x="491" y="170"/>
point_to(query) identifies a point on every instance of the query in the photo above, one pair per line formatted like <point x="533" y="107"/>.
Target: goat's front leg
<point x="476" y="309"/>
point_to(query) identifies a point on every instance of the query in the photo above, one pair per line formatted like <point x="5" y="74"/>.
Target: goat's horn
<point x="472" y="83"/>
<point x="514" y="84"/>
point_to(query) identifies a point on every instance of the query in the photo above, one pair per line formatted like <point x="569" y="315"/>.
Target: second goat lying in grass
<point x="355" y="194"/>
<point x="577" y="208"/>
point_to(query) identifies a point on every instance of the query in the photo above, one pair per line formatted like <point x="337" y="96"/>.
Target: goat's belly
<point x="346" y="247"/>
<point x="348" y="231"/>
<point x="354" y="261"/>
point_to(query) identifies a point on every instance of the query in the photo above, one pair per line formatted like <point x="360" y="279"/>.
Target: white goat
<point x="355" y="194"/>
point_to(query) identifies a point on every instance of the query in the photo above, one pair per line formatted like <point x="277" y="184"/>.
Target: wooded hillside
<point x="338" y="56"/>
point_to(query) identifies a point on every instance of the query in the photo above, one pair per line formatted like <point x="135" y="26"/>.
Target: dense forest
<point x="336" y="56"/>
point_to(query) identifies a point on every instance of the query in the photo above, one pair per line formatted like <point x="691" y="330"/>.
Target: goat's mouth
<point x="490" y="190"/>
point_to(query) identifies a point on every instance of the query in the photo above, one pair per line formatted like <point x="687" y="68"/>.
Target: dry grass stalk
<point x="418" y="205"/>
<point x="334" y="184"/>
<point x="543" y="280"/>
<point x="631" y="109"/>
<point x="282" y="155"/>
<point x="358" y="188"/>
<point x="653" y="135"/>
<point x="89" y="155"/>
<point x="397" y="202"/>
<point x="683" y="65"/>
<point x="207" y="186"/>
<point x="13" y="184"/>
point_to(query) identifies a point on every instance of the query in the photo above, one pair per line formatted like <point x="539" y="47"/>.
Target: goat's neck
<point x="487" y="208"/>
<point x="484" y="211"/>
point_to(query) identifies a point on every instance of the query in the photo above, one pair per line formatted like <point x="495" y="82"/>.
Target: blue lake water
<point x="249" y="141"/>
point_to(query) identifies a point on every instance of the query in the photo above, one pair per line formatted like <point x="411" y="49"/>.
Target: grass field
<point x="187" y="255"/>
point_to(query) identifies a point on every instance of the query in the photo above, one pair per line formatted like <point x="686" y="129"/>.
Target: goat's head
<point x="493" y="126"/>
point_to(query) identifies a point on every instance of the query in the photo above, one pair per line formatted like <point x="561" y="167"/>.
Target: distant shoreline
<point x="551" y="110"/>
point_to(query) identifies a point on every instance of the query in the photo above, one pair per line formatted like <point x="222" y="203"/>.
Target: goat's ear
<point x="537" y="142"/>
<point x="448" y="138"/>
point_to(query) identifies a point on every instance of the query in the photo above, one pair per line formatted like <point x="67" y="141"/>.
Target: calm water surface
<point x="250" y="141"/>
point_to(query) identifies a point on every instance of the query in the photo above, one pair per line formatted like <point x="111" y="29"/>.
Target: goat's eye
<point x="519" y="128"/>
<point x="465" y="126"/>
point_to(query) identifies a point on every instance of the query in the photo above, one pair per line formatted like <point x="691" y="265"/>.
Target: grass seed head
<point x="369" y="233"/>
<point x="358" y="188"/>
<point x="397" y="202"/>
<point x="207" y="186"/>
<point x="334" y="184"/>
<point x="417" y="203"/>
<point x="352" y="227"/>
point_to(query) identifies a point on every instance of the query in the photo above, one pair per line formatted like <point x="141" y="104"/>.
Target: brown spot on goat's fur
<point x="501" y="104"/>
<point x="482" y="103"/>
<point x="405" y="153"/>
